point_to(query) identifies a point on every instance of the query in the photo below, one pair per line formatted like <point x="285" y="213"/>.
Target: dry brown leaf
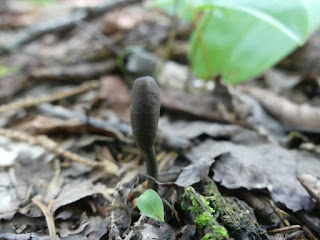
<point x="116" y="94"/>
<point x="203" y="107"/>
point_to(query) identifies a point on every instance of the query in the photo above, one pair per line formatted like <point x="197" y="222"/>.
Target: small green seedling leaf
<point x="150" y="204"/>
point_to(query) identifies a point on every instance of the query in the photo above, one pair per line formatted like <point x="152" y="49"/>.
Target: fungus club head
<point x="145" y="111"/>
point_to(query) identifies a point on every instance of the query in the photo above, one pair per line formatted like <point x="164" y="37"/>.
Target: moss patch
<point x="205" y="210"/>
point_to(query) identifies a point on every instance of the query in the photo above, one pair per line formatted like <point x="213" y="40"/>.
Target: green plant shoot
<point x="150" y="204"/>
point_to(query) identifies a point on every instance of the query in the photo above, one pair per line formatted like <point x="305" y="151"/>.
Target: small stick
<point x="50" y="145"/>
<point x="34" y="101"/>
<point x="48" y="216"/>
<point x="284" y="229"/>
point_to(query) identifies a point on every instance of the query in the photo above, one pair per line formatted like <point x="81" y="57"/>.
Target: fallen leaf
<point x="77" y="190"/>
<point x="266" y="166"/>
<point x="203" y="107"/>
<point x="195" y="172"/>
<point x="311" y="184"/>
<point x="148" y="231"/>
<point x="89" y="228"/>
<point x="116" y="94"/>
<point x="235" y="133"/>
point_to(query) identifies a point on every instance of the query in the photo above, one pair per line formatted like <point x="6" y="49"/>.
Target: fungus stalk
<point x="145" y="112"/>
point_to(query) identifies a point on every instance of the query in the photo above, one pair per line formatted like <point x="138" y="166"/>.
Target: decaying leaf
<point x="31" y="172"/>
<point x="194" y="129"/>
<point x="148" y="231"/>
<point x="116" y="95"/>
<point x="203" y="107"/>
<point x="89" y="228"/>
<point x="77" y="190"/>
<point x="195" y="172"/>
<point x="311" y="184"/>
<point x="266" y="166"/>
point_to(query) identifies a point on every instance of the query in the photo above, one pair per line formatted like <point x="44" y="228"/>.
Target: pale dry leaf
<point x="311" y="184"/>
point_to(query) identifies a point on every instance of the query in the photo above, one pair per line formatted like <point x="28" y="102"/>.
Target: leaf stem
<point x="152" y="169"/>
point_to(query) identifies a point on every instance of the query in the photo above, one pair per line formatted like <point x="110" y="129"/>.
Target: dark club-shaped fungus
<point x="145" y="111"/>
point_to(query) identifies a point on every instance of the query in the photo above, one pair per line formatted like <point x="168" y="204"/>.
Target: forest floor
<point x="237" y="162"/>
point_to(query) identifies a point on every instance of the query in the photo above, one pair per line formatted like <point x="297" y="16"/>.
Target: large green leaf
<point x="150" y="204"/>
<point x="243" y="38"/>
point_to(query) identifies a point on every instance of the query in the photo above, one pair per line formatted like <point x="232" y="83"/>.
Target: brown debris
<point x="33" y="101"/>
<point x="203" y="107"/>
<point x="116" y="95"/>
<point x="302" y="116"/>
<point x="75" y="73"/>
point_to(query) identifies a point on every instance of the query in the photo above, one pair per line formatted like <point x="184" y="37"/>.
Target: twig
<point x="74" y="73"/>
<point x="33" y="101"/>
<point x="284" y="229"/>
<point x="48" y="144"/>
<point x="114" y="230"/>
<point x="60" y="112"/>
<point x="48" y="216"/>
<point x="130" y="235"/>
<point x="137" y="223"/>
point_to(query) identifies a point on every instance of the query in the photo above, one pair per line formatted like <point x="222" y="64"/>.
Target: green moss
<point x="206" y="212"/>
<point x="221" y="231"/>
<point x="203" y="220"/>
<point x="208" y="236"/>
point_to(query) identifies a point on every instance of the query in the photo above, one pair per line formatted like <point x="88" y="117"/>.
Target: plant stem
<point x="152" y="169"/>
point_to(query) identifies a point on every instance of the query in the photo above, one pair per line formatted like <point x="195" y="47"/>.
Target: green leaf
<point x="150" y="204"/>
<point x="242" y="38"/>
<point x="181" y="8"/>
